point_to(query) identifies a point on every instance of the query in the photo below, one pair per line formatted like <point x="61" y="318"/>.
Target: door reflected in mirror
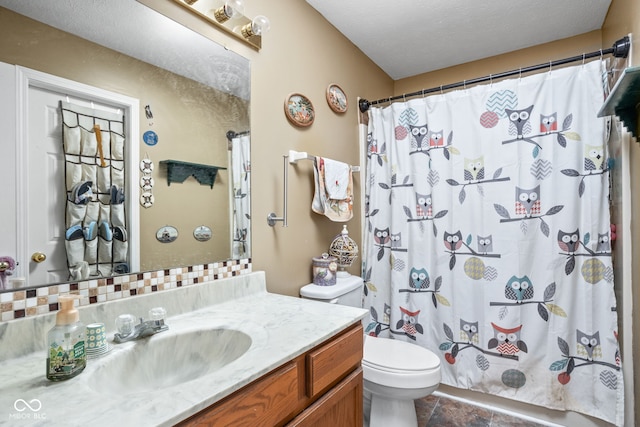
<point x="193" y="95"/>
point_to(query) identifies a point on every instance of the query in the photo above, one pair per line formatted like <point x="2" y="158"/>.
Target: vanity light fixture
<point x="228" y="15"/>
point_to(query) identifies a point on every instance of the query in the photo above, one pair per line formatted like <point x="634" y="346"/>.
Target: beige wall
<point x="540" y="54"/>
<point x="302" y="53"/>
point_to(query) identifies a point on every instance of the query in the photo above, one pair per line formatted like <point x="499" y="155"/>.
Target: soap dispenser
<point x="66" y="356"/>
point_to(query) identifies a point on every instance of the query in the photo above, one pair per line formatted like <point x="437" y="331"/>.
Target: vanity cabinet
<point x="320" y="388"/>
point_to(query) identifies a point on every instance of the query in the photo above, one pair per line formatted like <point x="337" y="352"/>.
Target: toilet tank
<point x="346" y="291"/>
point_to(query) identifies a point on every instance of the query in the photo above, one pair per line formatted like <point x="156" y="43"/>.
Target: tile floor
<point x="435" y="411"/>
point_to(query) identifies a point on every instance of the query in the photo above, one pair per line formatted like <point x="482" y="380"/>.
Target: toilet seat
<point x="399" y="364"/>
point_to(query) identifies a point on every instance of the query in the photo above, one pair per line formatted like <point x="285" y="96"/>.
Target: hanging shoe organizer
<point x="96" y="233"/>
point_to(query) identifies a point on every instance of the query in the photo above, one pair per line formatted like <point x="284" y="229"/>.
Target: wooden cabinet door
<point x="341" y="406"/>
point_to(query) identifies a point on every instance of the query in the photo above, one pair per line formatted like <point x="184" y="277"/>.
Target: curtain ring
<point x="550" y="67"/>
<point x="520" y="75"/>
<point x="600" y="54"/>
<point x="490" y="80"/>
<point x="464" y="85"/>
<point x="583" y="58"/>
<point x="404" y="97"/>
<point x="441" y="92"/>
<point x="423" y="93"/>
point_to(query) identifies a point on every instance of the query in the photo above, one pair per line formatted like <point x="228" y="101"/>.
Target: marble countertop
<point x="280" y="328"/>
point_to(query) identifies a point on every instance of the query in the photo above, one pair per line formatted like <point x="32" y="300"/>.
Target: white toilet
<point x="395" y="372"/>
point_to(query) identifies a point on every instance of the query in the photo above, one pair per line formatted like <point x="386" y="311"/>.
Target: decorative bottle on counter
<point x="66" y="356"/>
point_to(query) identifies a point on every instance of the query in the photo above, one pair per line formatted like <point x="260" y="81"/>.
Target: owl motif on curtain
<point x="548" y="123"/>
<point x="419" y="137"/>
<point x="519" y="121"/>
<point x="527" y="201"/>
<point x="593" y="158"/>
<point x="469" y="332"/>
<point x="409" y="322"/>
<point x="474" y="169"/>
<point x="588" y="345"/>
<point x="507" y="341"/>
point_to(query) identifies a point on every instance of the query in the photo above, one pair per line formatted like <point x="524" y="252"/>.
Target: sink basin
<point x="165" y="360"/>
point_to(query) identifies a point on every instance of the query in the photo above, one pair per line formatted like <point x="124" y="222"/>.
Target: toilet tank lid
<point x="343" y="286"/>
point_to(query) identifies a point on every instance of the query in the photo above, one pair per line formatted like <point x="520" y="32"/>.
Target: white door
<point x="32" y="218"/>
<point x="46" y="192"/>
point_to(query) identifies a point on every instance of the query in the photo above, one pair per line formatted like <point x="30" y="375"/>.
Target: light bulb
<point x="230" y="9"/>
<point x="234" y="8"/>
<point x="260" y="25"/>
<point x="257" y="27"/>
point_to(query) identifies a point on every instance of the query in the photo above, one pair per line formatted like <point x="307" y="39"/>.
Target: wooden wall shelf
<point x="178" y="171"/>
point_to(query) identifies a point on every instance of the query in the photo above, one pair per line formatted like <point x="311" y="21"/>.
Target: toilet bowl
<point x="395" y="372"/>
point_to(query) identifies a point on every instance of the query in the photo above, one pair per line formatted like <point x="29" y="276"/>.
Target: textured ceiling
<point x="410" y="37"/>
<point x="142" y="33"/>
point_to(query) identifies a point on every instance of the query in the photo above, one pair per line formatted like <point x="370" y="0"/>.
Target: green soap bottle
<point x="66" y="355"/>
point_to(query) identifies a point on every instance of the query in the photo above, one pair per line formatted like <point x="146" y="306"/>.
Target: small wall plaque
<point x="167" y="234"/>
<point x="202" y="233"/>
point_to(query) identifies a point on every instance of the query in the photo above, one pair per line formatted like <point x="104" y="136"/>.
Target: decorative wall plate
<point x="167" y="234"/>
<point x="146" y="199"/>
<point x="202" y="233"/>
<point x="336" y="98"/>
<point x="150" y="138"/>
<point x="299" y="110"/>
<point x="146" y="182"/>
<point x="146" y="165"/>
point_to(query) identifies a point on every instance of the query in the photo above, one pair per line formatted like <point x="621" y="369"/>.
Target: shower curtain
<point x="487" y="238"/>
<point x="241" y="176"/>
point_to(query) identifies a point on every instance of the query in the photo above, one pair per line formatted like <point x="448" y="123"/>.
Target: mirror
<point x="197" y="93"/>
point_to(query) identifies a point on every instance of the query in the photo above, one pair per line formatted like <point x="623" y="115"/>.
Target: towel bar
<point x="293" y="158"/>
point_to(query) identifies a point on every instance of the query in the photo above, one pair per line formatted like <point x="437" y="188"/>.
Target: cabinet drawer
<point x="264" y="403"/>
<point x="331" y="362"/>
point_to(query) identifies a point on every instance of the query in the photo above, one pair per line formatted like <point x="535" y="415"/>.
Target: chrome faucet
<point x="127" y="331"/>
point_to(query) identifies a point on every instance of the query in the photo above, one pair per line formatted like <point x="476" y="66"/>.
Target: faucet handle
<point x="157" y="315"/>
<point x="125" y="324"/>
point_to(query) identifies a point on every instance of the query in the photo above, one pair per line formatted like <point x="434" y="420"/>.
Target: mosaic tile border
<point x="32" y="302"/>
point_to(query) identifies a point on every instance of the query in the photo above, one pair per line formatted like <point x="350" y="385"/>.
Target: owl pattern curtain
<point x="487" y="238"/>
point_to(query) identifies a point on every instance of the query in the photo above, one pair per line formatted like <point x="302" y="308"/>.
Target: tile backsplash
<point x="22" y="303"/>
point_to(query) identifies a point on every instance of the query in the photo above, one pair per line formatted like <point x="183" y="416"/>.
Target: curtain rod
<point x="620" y="49"/>
<point x="232" y="134"/>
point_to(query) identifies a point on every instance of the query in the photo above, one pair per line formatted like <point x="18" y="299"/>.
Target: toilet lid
<point x="392" y="355"/>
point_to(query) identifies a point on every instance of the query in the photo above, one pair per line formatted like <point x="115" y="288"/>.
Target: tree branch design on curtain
<point x="504" y="250"/>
